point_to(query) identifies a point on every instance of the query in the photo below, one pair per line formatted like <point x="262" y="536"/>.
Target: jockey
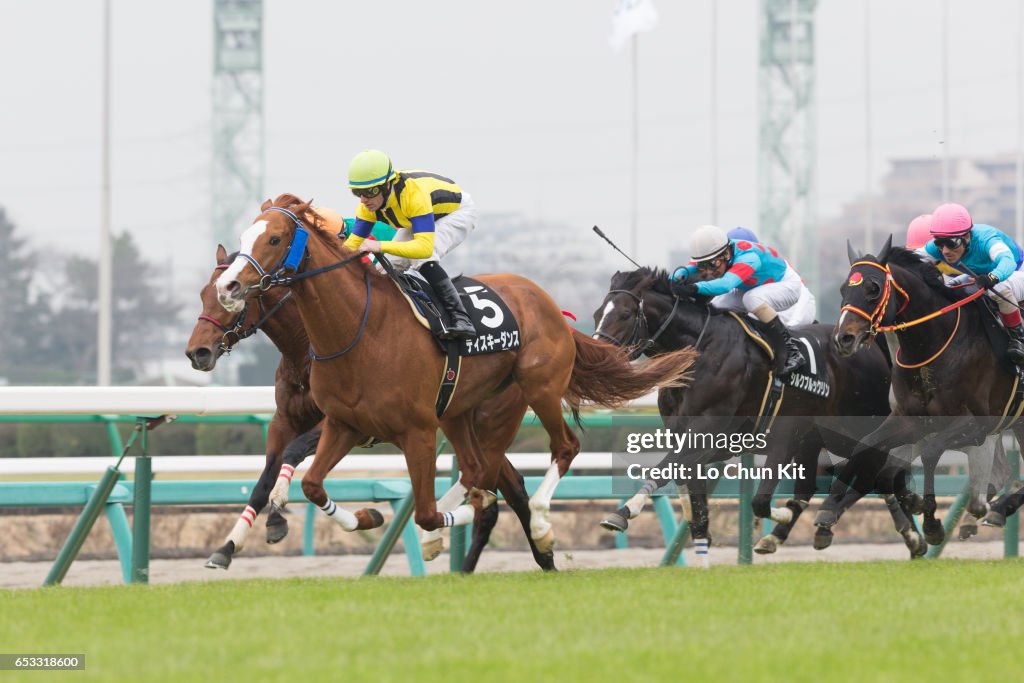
<point x="988" y="253"/>
<point x="431" y="216"/>
<point x="745" y="275"/>
<point x="804" y="311"/>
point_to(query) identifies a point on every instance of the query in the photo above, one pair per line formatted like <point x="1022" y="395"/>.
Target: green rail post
<point x="667" y="518"/>
<point x="1011" y="534"/>
<point x="85" y="522"/>
<point x="403" y="513"/>
<point x="745" y="543"/>
<point x="457" y="551"/>
<point x="122" y="532"/>
<point x="141" y="511"/>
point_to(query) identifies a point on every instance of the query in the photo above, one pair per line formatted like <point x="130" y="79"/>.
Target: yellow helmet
<point x="369" y="168"/>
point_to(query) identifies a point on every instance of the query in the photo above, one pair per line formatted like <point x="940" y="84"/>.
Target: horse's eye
<point x="275" y="240"/>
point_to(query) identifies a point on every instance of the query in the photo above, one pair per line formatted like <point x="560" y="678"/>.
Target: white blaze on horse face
<point x="248" y="239"/>
<point x="608" y="308"/>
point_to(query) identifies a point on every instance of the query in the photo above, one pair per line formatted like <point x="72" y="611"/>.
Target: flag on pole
<point x="631" y="16"/>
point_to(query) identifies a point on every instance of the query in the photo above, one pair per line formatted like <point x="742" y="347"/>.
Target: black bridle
<point x="236" y="331"/>
<point x="638" y="336"/>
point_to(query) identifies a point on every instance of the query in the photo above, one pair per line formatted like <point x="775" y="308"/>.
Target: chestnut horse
<point x="386" y="386"/>
<point x="295" y="428"/>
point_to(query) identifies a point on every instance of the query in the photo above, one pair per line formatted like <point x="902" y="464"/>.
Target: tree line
<point x="48" y="312"/>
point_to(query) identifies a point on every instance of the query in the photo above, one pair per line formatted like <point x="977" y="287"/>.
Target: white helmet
<point x="708" y="242"/>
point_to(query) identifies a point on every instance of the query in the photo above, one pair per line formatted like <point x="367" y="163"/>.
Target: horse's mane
<point x="925" y="270"/>
<point x="329" y="240"/>
<point x="650" y="279"/>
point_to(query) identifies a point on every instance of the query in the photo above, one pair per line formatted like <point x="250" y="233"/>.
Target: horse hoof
<point x="826" y="519"/>
<point x="277" y="528"/>
<point x="368" y="518"/>
<point x="915" y="544"/>
<point x="995" y="519"/>
<point x="967" y="531"/>
<point x="431" y="549"/>
<point x="615" y="522"/>
<point x="767" y="545"/>
<point x="221" y="557"/>
<point x="822" y="538"/>
<point x="480" y="499"/>
<point x="546" y="543"/>
<point x="934" y="533"/>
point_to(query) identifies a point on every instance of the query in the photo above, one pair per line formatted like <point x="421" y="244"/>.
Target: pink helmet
<point x="951" y="220"/>
<point x="920" y="231"/>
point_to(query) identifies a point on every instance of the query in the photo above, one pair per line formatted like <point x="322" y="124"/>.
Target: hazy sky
<point x="523" y="103"/>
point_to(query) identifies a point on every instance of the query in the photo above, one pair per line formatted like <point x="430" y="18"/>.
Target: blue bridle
<point x="291" y="261"/>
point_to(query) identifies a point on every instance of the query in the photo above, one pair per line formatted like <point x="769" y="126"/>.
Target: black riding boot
<point x="461" y="326"/>
<point x="1015" y="349"/>
<point x="787" y="353"/>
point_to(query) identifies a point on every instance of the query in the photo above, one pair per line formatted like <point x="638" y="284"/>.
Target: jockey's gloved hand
<point x="684" y="289"/>
<point x="988" y="281"/>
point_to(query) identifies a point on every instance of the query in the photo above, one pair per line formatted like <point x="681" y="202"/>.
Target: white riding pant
<point x="1011" y="288"/>
<point x="788" y="297"/>
<point x="449" y="232"/>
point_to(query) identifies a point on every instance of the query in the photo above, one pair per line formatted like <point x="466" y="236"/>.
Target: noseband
<point x="234" y="332"/>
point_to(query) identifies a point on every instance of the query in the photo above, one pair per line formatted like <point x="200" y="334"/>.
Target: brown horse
<point x="295" y="428"/>
<point x="386" y="387"/>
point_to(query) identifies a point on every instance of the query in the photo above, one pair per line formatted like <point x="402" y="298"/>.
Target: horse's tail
<point x="603" y="375"/>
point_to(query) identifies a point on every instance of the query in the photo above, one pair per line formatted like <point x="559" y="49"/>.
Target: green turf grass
<point x="937" y="620"/>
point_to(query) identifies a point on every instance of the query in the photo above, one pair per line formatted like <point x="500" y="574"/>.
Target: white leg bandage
<point x="240" y="532"/>
<point x="343" y="517"/>
<point x="448" y="502"/>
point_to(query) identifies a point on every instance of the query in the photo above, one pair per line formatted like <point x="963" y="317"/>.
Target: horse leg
<point x="336" y="441"/>
<point x="806" y="461"/>
<point x="513" y="488"/>
<point x="931" y="525"/>
<point x="696" y="501"/>
<point x="299" y="449"/>
<point x="982" y="475"/>
<point x="545" y="399"/>
<point x="859" y="475"/>
<point x="221" y="558"/>
<point x="278" y="434"/>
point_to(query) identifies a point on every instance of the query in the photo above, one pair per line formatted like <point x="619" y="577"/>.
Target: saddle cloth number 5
<point x="495" y="318"/>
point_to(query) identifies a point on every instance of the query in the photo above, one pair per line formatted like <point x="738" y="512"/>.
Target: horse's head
<point x="622" y="318"/>
<point x="867" y="299"/>
<point x="273" y="245"/>
<point x="218" y="330"/>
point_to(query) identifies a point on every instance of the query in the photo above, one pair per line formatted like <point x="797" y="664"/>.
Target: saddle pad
<point x="812" y="376"/>
<point x="496" y="327"/>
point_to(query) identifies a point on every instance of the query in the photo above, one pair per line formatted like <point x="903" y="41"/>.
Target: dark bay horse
<point x="951" y="390"/>
<point x="386" y="386"/>
<point x="730" y="380"/>
<point x="294" y="430"/>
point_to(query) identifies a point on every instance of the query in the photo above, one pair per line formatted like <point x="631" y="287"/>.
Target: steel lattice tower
<point x="237" y="183"/>
<point x="788" y="153"/>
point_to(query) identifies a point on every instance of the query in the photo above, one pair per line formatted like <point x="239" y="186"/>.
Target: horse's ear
<point x="851" y="253"/>
<point x="303" y="208"/>
<point x="266" y="205"/>
<point x="222" y="254"/>
<point x="883" y="255"/>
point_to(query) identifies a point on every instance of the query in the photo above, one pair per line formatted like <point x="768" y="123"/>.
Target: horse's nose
<point x="201" y="357"/>
<point x="844" y="342"/>
<point x="232" y="287"/>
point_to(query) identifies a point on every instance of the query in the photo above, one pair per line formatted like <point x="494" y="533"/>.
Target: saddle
<point x="497" y="329"/>
<point x="999" y="339"/>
